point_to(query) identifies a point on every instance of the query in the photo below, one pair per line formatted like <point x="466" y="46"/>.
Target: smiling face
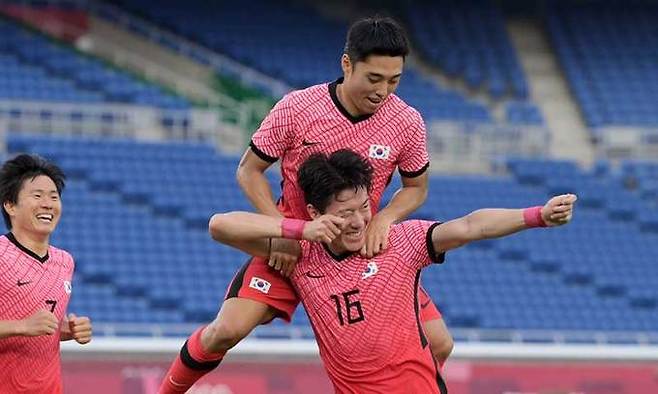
<point x="353" y="205"/>
<point x="369" y="82"/>
<point x="37" y="209"/>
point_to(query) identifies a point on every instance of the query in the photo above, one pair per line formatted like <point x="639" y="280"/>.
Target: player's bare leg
<point x="441" y="343"/>
<point x="236" y="319"/>
<point x="206" y="347"/>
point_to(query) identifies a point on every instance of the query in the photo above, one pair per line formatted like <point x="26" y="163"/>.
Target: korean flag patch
<point x="260" y="284"/>
<point x="380" y="152"/>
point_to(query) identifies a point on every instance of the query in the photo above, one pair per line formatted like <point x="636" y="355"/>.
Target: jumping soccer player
<point x="364" y="310"/>
<point x="359" y="111"/>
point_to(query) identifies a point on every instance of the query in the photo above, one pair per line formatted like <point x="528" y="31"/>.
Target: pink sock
<point x="190" y="365"/>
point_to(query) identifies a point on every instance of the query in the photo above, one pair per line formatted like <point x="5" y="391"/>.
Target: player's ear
<point x="346" y="64"/>
<point x="312" y="212"/>
<point x="9" y="207"/>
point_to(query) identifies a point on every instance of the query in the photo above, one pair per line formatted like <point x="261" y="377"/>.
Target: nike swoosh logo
<point x="314" y="276"/>
<point x="422" y="306"/>
<point x="21" y="283"/>
<point x="309" y="143"/>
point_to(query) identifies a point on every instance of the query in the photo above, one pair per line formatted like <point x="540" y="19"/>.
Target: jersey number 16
<point x="352" y="308"/>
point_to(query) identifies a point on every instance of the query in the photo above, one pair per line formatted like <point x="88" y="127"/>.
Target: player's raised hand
<point x="80" y="328"/>
<point x="377" y="235"/>
<point x="323" y="229"/>
<point x="283" y="255"/>
<point x="558" y="210"/>
<point x="42" y="322"/>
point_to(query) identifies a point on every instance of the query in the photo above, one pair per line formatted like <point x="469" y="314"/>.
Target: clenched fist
<point x="558" y="210"/>
<point x="80" y="328"/>
<point x="42" y="322"/>
<point x="326" y="228"/>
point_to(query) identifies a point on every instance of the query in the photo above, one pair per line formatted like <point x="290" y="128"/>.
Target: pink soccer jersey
<point x="29" y="283"/>
<point x="313" y="120"/>
<point x="364" y="313"/>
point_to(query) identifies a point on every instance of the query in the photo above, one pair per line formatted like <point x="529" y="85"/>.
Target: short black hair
<point x="376" y="36"/>
<point x="22" y="167"/>
<point x="322" y="176"/>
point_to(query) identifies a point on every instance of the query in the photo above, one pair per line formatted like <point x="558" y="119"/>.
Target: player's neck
<point x="35" y="243"/>
<point x="336" y="251"/>
<point x="346" y="102"/>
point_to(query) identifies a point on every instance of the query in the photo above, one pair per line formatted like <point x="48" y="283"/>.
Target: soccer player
<point x="35" y="279"/>
<point x="359" y="111"/>
<point x="364" y="310"/>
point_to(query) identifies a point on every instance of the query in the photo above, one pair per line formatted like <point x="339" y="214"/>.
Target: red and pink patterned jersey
<point x="29" y="283"/>
<point x="364" y="313"/>
<point x="313" y="120"/>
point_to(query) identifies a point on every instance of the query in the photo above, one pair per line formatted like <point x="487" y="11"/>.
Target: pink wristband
<point x="532" y="217"/>
<point x="292" y="228"/>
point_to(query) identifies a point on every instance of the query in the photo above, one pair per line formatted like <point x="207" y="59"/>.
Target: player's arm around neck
<point x="251" y="178"/>
<point x="251" y="232"/>
<point x="496" y="223"/>
<point x="247" y="231"/>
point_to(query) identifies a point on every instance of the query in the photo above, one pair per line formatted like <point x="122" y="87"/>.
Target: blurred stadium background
<point x="148" y="105"/>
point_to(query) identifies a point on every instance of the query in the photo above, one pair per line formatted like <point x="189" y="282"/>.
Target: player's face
<point x="38" y="208"/>
<point x="353" y="206"/>
<point x="369" y="82"/>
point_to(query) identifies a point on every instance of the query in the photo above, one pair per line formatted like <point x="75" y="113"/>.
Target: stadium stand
<point x="468" y="40"/>
<point x="32" y="67"/>
<point x="253" y="39"/>
<point x="135" y="217"/>
<point x="608" y="52"/>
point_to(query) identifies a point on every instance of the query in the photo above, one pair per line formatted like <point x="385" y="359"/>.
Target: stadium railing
<point x="130" y="121"/>
<point x="627" y="142"/>
<point x="480" y="344"/>
<point x="458" y="147"/>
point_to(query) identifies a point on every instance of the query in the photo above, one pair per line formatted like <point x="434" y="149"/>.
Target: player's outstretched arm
<point x="495" y="223"/>
<point x="251" y="232"/>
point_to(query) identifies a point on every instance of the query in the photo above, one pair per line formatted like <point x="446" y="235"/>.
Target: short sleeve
<point x="277" y="131"/>
<point x="414" y="159"/>
<point x="413" y="239"/>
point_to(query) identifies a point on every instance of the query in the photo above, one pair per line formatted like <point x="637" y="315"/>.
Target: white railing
<point x="138" y="122"/>
<point x="308" y="348"/>
<point x="462" y="147"/>
<point x="462" y="335"/>
<point x="626" y="142"/>
<point x="3" y="136"/>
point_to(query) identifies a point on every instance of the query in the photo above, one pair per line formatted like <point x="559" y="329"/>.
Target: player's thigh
<point x="258" y="282"/>
<point x="243" y="314"/>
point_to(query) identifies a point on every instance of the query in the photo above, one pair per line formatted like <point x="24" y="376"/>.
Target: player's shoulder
<point x="4" y="245"/>
<point x="309" y="95"/>
<point x="412" y="228"/>
<point x="61" y="256"/>
<point x="397" y="104"/>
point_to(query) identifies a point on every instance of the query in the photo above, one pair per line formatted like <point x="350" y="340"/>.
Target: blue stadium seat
<point x="149" y="259"/>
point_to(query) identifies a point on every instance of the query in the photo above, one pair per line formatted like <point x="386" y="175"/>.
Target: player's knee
<point x="223" y="335"/>
<point x="442" y="348"/>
